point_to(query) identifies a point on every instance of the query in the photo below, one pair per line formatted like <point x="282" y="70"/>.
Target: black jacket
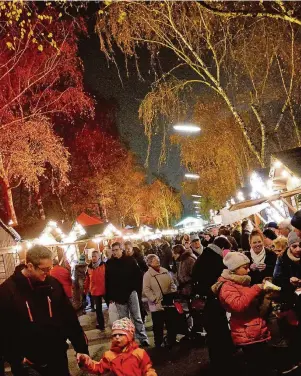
<point x="206" y="270"/>
<point x="285" y="269"/>
<point x="123" y="276"/>
<point x="270" y="261"/>
<point x="36" y="320"/>
<point x="245" y="240"/>
<point x="165" y="255"/>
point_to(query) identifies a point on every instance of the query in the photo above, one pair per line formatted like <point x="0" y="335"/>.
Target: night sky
<point x="104" y="80"/>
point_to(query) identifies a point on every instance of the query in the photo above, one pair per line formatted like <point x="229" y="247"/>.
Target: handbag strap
<point x="159" y="285"/>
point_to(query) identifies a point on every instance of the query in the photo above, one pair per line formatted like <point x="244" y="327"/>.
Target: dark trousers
<point x="99" y="315"/>
<point x="219" y="341"/>
<point x="168" y="318"/>
<point x="258" y="360"/>
<point x="57" y="365"/>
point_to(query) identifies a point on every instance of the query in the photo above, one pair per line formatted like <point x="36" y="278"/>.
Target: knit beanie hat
<point x="234" y="260"/>
<point x="124" y="326"/>
<point x="293" y="238"/>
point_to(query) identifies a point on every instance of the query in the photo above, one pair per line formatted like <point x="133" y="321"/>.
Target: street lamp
<point x="187" y="128"/>
<point x="192" y="176"/>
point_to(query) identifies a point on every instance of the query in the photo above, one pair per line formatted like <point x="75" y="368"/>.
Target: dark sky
<point x="103" y="79"/>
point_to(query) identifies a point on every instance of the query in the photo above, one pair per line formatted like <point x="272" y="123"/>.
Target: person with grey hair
<point x="37" y="318"/>
<point x="285" y="227"/>
<point x="156" y="283"/>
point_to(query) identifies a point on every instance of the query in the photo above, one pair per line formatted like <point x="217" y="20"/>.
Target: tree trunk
<point x="40" y="206"/>
<point x="7" y="195"/>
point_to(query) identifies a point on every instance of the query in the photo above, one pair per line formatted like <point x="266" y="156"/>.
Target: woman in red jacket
<point x="248" y="329"/>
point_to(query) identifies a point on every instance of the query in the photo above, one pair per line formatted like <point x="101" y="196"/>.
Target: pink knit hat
<point x="124" y="326"/>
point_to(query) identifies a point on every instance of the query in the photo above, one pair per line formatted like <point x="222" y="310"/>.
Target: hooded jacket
<point x="206" y="270"/>
<point x="95" y="279"/>
<point x="131" y="362"/>
<point x="235" y="295"/>
<point x="64" y="277"/>
<point x="123" y="276"/>
<point x="36" y="320"/>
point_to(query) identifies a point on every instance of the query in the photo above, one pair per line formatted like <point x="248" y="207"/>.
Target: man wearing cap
<point x="273" y="226"/>
<point x="196" y="246"/>
<point x="124" y="358"/>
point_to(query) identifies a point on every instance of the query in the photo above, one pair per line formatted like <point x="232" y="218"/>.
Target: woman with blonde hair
<point x="280" y="245"/>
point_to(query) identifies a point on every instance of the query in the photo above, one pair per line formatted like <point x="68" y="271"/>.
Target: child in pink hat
<point x="125" y="358"/>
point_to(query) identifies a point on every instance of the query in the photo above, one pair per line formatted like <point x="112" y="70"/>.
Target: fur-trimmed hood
<point x="228" y="276"/>
<point x="184" y="256"/>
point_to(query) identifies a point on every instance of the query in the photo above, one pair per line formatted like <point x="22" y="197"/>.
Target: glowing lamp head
<point x="187" y="128"/>
<point x="192" y="176"/>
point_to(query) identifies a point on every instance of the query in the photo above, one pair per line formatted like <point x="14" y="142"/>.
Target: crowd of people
<point x="237" y="286"/>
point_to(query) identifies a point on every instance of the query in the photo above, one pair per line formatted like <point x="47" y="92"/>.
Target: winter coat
<point x="37" y="319"/>
<point x="79" y="278"/>
<point x="257" y="276"/>
<point x="245" y="240"/>
<point x="285" y="269"/>
<point x="95" y="280"/>
<point x="165" y="255"/>
<point x="64" y="277"/>
<point x="235" y="295"/>
<point x="151" y="289"/>
<point x="206" y="270"/>
<point x="123" y="276"/>
<point x="184" y="275"/>
<point x="140" y="260"/>
<point x="237" y="236"/>
<point x="132" y="362"/>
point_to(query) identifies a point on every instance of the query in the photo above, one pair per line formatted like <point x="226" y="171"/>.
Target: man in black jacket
<point x="206" y="270"/>
<point x="123" y="279"/>
<point x="37" y="319"/>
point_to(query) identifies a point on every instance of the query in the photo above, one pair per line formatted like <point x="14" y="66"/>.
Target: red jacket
<point x="95" y="280"/>
<point x="63" y="276"/>
<point x="133" y="362"/>
<point x="247" y="327"/>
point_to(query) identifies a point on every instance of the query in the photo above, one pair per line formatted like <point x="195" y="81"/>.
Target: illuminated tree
<point x="40" y="76"/>
<point x="251" y="64"/>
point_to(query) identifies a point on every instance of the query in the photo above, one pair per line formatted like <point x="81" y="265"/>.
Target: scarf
<point x="258" y="258"/>
<point x="292" y="257"/>
<point x="216" y="249"/>
<point x="96" y="264"/>
<point x="198" y="251"/>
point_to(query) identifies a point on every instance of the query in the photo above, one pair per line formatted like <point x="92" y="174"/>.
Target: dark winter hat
<point x="296" y="220"/>
<point x="272" y="225"/>
<point x="270" y="234"/>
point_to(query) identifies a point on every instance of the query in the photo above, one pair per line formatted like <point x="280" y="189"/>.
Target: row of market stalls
<point x="271" y="194"/>
<point x="67" y="240"/>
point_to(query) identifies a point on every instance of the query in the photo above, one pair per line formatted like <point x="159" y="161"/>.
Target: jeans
<point x="100" y="319"/>
<point x="132" y="308"/>
<point x="169" y="318"/>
